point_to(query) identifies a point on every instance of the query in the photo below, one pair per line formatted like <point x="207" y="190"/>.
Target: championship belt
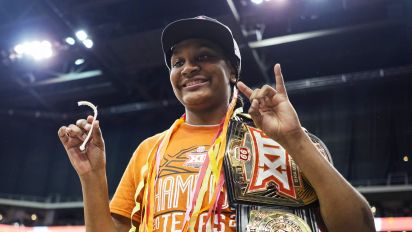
<point x="265" y="185"/>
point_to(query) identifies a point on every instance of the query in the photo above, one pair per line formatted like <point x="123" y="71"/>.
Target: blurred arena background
<point x="347" y="64"/>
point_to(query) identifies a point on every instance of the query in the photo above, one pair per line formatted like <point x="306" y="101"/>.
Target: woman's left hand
<point x="271" y="109"/>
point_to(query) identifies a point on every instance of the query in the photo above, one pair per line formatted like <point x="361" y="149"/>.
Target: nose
<point x="189" y="69"/>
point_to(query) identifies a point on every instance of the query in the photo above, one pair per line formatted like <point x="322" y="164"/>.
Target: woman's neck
<point x="206" y="117"/>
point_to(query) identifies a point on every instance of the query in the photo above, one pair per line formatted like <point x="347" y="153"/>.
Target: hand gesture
<point x="271" y="109"/>
<point x="92" y="159"/>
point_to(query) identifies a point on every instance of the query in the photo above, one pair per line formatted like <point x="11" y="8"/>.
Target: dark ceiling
<point x="347" y="64"/>
<point x="353" y="36"/>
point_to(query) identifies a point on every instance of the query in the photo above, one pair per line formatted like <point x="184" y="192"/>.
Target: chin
<point x="196" y="103"/>
<point x="196" y="98"/>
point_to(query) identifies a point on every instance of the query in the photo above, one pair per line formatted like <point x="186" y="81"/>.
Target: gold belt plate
<point x="276" y="221"/>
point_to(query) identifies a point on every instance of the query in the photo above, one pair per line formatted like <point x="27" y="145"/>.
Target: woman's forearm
<point x="96" y="203"/>
<point x="342" y="207"/>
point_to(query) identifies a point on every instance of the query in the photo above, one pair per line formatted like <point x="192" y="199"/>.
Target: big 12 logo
<point x="271" y="164"/>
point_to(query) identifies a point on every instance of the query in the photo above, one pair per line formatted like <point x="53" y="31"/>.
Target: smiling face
<point x="200" y="75"/>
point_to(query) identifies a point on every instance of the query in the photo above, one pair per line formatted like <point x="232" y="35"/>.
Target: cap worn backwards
<point x="201" y="27"/>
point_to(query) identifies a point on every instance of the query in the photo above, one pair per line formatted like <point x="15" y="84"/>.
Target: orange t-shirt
<point x="178" y="174"/>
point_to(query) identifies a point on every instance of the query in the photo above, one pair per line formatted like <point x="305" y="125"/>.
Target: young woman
<point x="161" y="187"/>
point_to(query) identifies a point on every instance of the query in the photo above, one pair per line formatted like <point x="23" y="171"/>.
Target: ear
<point x="233" y="72"/>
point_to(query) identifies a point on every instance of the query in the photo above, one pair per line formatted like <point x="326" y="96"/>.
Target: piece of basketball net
<point x="86" y="103"/>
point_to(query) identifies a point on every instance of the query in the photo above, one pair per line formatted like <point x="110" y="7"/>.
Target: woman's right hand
<point x="93" y="158"/>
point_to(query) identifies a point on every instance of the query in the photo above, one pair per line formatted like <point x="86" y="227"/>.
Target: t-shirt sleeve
<point x="123" y="201"/>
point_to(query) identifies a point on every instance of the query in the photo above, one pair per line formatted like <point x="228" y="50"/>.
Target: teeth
<point x="194" y="82"/>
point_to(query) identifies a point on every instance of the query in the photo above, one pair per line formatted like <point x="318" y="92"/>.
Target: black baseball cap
<point x="201" y="27"/>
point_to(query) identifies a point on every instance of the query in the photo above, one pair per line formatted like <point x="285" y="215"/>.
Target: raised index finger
<point x="244" y="89"/>
<point x="280" y="83"/>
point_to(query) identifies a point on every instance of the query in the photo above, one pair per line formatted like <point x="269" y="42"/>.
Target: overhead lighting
<point x="79" y="61"/>
<point x="70" y="40"/>
<point x="33" y="217"/>
<point x="1" y="217"/>
<point x="84" y="37"/>
<point x="20" y="49"/>
<point x="88" y="43"/>
<point x="257" y="2"/>
<point x="405" y="158"/>
<point x="36" y="49"/>
<point x="81" y="35"/>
